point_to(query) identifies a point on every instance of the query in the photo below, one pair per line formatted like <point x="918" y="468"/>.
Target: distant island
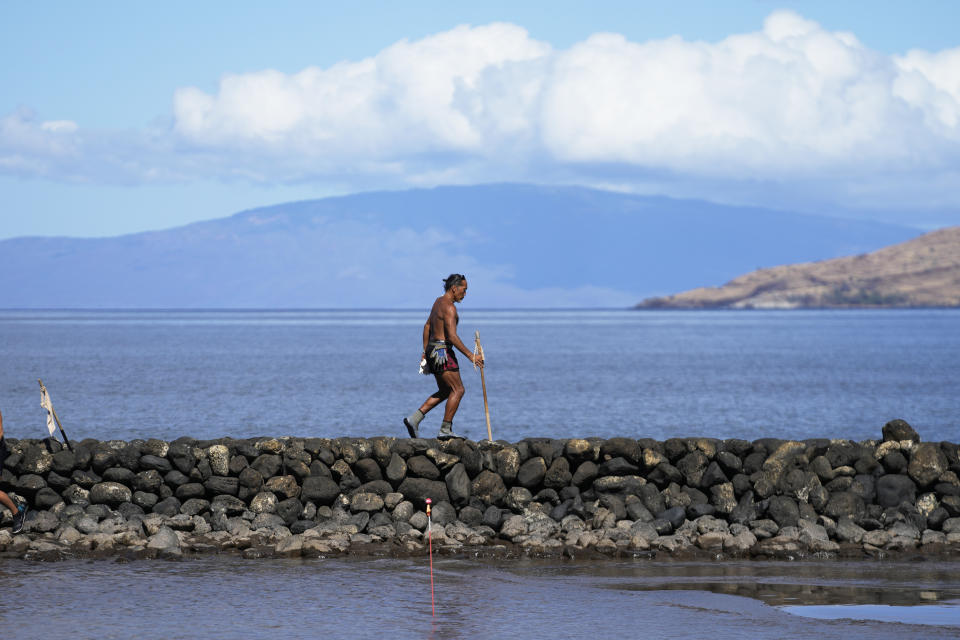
<point x="923" y="272"/>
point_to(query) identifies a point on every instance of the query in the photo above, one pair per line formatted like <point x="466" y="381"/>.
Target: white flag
<point x="46" y="404"/>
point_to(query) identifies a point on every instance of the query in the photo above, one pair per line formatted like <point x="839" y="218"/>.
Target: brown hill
<point x="923" y="272"/>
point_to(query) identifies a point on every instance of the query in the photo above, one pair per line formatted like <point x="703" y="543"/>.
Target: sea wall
<point x="620" y="497"/>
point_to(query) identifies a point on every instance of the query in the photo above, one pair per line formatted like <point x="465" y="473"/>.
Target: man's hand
<point x="477" y="360"/>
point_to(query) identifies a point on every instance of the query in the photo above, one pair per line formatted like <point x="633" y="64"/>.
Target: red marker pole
<point x="433" y="607"/>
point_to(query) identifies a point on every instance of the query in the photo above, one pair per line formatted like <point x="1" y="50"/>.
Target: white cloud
<point x="791" y="103"/>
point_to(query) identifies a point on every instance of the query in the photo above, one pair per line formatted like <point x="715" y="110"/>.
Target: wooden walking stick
<point x="478" y="348"/>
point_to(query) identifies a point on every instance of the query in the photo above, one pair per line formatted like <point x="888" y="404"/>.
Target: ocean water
<point x="659" y="374"/>
<point x="228" y="597"/>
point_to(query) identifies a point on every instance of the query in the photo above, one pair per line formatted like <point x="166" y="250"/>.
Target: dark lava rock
<point x="181" y="456"/>
<point x="64" y="462"/>
<point x="845" y="503"/>
<point x="267" y="464"/>
<point x="531" y="473"/>
<point x="617" y="467"/>
<point x="626" y="448"/>
<point x="217" y="485"/>
<point x="251" y="478"/>
<point x="367" y="470"/>
<point x="493" y="517"/>
<point x="713" y="475"/>
<point x="927" y="464"/>
<point x="652" y="499"/>
<point x="899" y="430"/>
<point x="302" y="525"/>
<point x="174" y="479"/>
<point x="558" y="475"/>
<point x="46" y="498"/>
<point x="892" y="489"/>
<point x="167" y="507"/>
<point x="119" y="474"/>
<point x="729" y="462"/>
<point x="694" y="511"/>
<point x="190" y="490"/>
<point x="443" y="513"/>
<point x="422" y="467"/>
<point x="290" y="510"/>
<point x="417" y="490"/>
<point x="692" y="466"/>
<point x="784" y="511"/>
<point x="320" y="490"/>
<point x="147" y="481"/>
<point x="85" y="479"/>
<point x="487" y="486"/>
<point x="144" y="499"/>
<point x="745" y="511"/>
<point x="894" y="462"/>
<point x="129" y="457"/>
<point x="458" y="484"/>
<point x="156" y="463"/>
<point x="396" y="469"/>
<point x="675" y="516"/>
<point x="585" y="474"/>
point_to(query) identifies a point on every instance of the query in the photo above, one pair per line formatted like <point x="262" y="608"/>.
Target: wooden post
<point x="478" y="349"/>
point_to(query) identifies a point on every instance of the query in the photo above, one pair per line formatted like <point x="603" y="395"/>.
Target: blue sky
<point x="119" y="117"/>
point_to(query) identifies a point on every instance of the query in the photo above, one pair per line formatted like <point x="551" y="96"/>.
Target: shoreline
<point x="619" y="498"/>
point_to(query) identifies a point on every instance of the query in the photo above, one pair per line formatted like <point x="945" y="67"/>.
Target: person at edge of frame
<point x="439" y="339"/>
<point x="18" y="509"/>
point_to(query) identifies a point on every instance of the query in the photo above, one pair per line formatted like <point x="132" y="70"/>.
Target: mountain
<point x="923" y="272"/>
<point x="519" y="245"/>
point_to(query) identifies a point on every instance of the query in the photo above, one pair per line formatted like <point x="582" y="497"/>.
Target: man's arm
<point x="450" y="328"/>
<point x="426" y="335"/>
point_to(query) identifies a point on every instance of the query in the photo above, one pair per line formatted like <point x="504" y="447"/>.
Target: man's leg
<point x="412" y="421"/>
<point x="15" y="510"/>
<point x="452" y="380"/>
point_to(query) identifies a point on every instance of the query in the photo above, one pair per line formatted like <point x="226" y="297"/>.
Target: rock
<point x="675" y="516"/>
<point x="264" y="502"/>
<point x="692" y="466"/>
<point x="443" y="513"/>
<point x="219" y="458"/>
<point x="617" y="467"/>
<point x="722" y="496"/>
<point x="558" y="475"/>
<point x="487" y="486"/>
<point x="532" y="472"/>
<point x="46" y="498"/>
<point x="369" y="502"/>
<point x="458" y="484"/>
<point x="190" y="490"/>
<point x="148" y="481"/>
<point x="396" y="470"/>
<point x="893" y="489"/>
<point x="927" y="463"/>
<point x="844" y="503"/>
<point x="897" y="430"/>
<point x="320" y="490"/>
<point x="267" y="464"/>
<point x="422" y="467"/>
<point x="517" y="498"/>
<point x="290" y="547"/>
<point x="367" y="470"/>
<point x="36" y="460"/>
<point x="417" y="490"/>
<point x="849" y="531"/>
<point x="156" y="463"/>
<point x="111" y="493"/>
<point x="165" y="541"/>
<point x="167" y="507"/>
<point x="222" y="485"/>
<point x="181" y="457"/>
<point x="585" y="474"/>
<point x="578" y="450"/>
<point x="283" y="486"/>
<point x="291" y="509"/>
<point x="144" y="500"/>
<point x="894" y="462"/>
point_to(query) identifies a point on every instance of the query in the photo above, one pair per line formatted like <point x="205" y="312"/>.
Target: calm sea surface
<point x="657" y="374"/>
<point x="227" y="597"/>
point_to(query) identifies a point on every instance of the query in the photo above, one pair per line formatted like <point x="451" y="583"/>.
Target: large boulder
<point x="417" y="490"/>
<point x="927" y="463"/>
<point x="892" y="489"/>
<point x="458" y="484"/>
<point x="899" y="430"/>
<point x="111" y="493"/>
<point x="487" y="486"/>
<point x="531" y="473"/>
<point x="319" y="490"/>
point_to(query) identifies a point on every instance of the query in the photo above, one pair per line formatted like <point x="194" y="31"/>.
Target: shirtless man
<point x="19" y="511"/>
<point x="439" y="339"/>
